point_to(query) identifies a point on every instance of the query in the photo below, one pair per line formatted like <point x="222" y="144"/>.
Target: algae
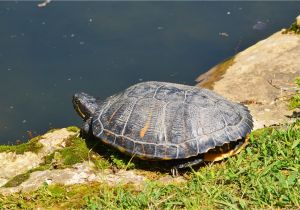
<point x="208" y="79"/>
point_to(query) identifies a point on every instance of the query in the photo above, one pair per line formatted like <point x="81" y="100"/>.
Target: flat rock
<point x="263" y="77"/>
<point x="78" y="174"/>
<point x="12" y="164"/>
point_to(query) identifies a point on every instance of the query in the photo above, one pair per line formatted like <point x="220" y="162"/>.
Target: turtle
<point x="167" y="121"/>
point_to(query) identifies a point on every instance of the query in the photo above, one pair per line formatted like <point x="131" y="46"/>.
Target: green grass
<point x="295" y="100"/>
<point x="266" y="175"/>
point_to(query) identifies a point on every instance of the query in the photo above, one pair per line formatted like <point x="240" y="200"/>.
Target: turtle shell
<point x="159" y="120"/>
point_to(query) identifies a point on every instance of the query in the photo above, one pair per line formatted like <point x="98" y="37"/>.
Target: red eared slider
<point x="166" y="121"/>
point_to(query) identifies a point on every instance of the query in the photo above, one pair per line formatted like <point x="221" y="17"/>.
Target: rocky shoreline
<point x="262" y="77"/>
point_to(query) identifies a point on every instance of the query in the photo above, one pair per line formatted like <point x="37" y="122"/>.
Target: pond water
<point x="47" y="54"/>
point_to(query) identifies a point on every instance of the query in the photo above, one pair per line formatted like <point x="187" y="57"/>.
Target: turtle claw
<point x="174" y="172"/>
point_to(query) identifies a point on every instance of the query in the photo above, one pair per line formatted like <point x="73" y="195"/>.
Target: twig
<point x="282" y="88"/>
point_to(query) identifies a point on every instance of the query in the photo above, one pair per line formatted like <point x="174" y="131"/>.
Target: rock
<point x="262" y="77"/>
<point x="12" y="164"/>
<point x="168" y="179"/>
<point x="298" y="20"/>
<point x="122" y="177"/>
<point x="78" y="174"/>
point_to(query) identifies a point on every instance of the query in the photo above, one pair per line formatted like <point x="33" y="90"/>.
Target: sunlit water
<point x="47" y="54"/>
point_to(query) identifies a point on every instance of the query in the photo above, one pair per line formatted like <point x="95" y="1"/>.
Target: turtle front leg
<point x="87" y="126"/>
<point x="174" y="170"/>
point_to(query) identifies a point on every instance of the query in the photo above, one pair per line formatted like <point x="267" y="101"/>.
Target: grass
<point x="266" y="175"/>
<point x="295" y="100"/>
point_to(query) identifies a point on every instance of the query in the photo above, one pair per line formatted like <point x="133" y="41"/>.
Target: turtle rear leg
<point x="174" y="170"/>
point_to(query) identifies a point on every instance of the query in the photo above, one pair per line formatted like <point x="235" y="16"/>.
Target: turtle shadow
<point x="109" y="153"/>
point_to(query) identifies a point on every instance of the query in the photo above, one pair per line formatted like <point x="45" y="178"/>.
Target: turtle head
<point x="84" y="104"/>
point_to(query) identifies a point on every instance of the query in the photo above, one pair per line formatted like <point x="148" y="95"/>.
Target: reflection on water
<point x="259" y="25"/>
<point x="49" y="53"/>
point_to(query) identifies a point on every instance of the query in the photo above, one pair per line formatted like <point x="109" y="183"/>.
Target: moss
<point x="208" y="79"/>
<point x="294" y="28"/>
<point x="52" y="130"/>
<point x="17" y="180"/>
<point x="32" y="145"/>
<point x="73" y="129"/>
<point x="76" y="151"/>
<point x="41" y="167"/>
<point x="295" y="100"/>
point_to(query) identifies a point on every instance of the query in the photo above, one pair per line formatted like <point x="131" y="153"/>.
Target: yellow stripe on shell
<point x="146" y="127"/>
